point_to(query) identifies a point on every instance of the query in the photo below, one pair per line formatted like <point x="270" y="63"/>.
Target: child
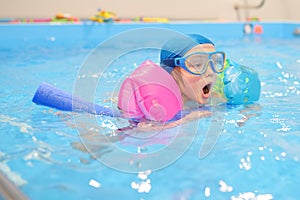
<point x="152" y="94"/>
<point x="192" y="65"/>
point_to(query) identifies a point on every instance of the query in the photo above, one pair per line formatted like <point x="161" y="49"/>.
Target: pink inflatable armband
<point x="150" y="92"/>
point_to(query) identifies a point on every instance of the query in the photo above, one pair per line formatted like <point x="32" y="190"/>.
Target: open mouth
<point x="206" y="90"/>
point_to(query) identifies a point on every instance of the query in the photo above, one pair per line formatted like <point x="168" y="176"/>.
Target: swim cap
<point x="177" y="47"/>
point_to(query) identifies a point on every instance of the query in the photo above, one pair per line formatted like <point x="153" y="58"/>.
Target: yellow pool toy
<point x="104" y="16"/>
<point x="151" y="19"/>
<point x="155" y="19"/>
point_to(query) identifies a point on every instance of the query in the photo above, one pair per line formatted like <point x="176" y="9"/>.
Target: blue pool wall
<point x="20" y="34"/>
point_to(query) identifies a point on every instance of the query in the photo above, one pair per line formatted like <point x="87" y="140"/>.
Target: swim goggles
<point x="197" y="63"/>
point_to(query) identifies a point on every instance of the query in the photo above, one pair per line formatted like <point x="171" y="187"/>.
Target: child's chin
<point x="203" y="100"/>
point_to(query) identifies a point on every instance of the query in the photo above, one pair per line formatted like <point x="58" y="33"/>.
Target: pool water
<point x="42" y="154"/>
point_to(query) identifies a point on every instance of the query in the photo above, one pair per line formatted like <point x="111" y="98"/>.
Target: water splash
<point x="13" y="176"/>
<point x="24" y="127"/>
<point x="144" y="183"/>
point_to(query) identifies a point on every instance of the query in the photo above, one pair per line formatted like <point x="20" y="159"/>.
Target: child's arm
<point x="156" y="126"/>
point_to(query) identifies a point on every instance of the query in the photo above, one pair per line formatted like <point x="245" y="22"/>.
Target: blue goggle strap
<point x="169" y="62"/>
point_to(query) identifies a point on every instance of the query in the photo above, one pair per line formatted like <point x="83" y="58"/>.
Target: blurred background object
<point x="228" y="10"/>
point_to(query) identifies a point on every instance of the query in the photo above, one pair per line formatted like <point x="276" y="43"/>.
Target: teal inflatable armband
<point x="238" y="84"/>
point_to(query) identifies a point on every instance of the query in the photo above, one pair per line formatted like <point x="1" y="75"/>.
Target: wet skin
<point x="193" y="87"/>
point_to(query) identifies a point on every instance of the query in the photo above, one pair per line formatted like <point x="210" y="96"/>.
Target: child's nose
<point x="209" y="69"/>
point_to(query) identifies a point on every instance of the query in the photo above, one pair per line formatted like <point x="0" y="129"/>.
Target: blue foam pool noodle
<point x="48" y="95"/>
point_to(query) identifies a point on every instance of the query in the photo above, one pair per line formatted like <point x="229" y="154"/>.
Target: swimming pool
<point x="41" y="152"/>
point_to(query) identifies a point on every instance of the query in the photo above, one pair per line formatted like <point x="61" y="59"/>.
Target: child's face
<point x="197" y="88"/>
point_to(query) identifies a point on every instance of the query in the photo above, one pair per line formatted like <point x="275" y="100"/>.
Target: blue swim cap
<point x="177" y="47"/>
